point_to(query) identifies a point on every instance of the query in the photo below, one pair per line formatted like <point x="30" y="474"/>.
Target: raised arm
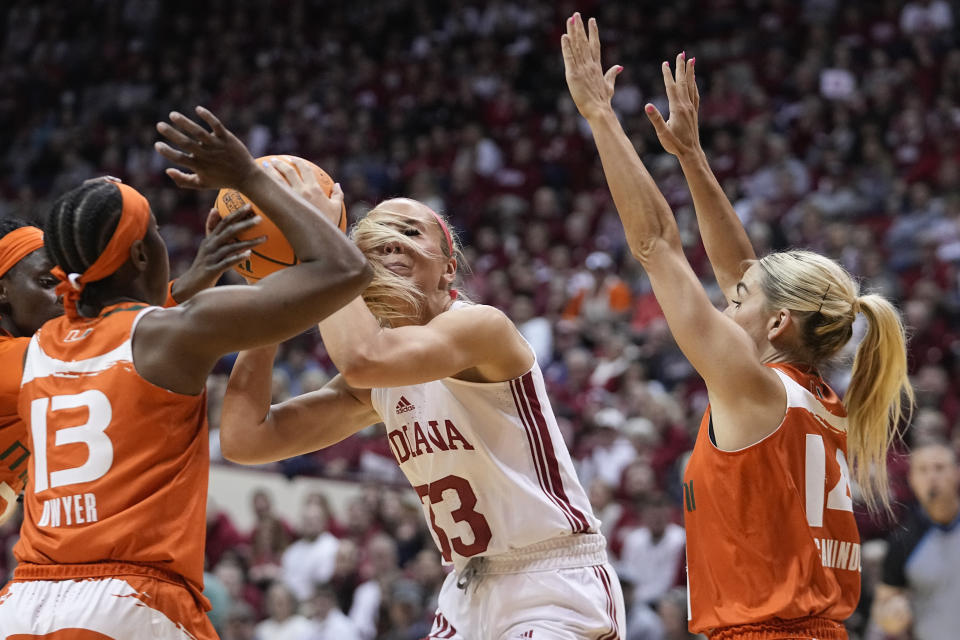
<point x="720" y="350"/>
<point x="185" y="341"/>
<point x="724" y="237"/>
<point x="254" y="432"/>
<point x="476" y="340"/>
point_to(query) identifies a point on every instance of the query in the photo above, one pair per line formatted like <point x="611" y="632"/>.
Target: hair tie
<point x="856" y="305"/>
<point x="74" y="280"/>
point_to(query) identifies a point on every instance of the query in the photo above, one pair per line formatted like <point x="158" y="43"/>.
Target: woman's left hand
<point x="680" y="134"/>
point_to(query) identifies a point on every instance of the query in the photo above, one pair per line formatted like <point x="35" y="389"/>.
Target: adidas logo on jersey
<point x="527" y="634"/>
<point x="404" y="405"/>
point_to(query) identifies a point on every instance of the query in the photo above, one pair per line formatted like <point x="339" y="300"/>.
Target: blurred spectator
<point x="652" y="558"/>
<point x="331" y="622"/>
<point x="222" y="535"/>
<point x="920" y="585"/>
<point x="310" y="559"/>
<point x="241" y="623"/>
<point x="283" y="621"/>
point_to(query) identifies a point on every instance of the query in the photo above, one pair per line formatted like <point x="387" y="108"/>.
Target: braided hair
<point x="80" y="225"/>
<point x="12" y="224"/>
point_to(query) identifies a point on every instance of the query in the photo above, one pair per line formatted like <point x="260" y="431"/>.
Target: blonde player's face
<point x="747" y="306"/>
<point x="426" y="269"/>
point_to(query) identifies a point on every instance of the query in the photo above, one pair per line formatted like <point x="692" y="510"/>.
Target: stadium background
<point x="831" y="124"/>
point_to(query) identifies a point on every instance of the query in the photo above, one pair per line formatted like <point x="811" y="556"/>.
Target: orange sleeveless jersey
<point x="770" y="528"/>
<point x="119" y="466"/>
<point x="13" y="432"/>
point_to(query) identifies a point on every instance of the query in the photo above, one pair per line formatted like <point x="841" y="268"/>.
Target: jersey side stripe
<point x="551" y="455"/>
<point x="535" y="450"/>
<point x="40" y="365"/>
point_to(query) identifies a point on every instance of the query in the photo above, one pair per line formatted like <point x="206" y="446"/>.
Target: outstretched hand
<point x="680" y="134"/>
<point x="217" y="157"/>
<point x="590" y="88"/>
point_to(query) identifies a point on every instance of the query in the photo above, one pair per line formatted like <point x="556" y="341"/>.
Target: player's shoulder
<point x="479" y="313"/>
<point x="12" y="348"/>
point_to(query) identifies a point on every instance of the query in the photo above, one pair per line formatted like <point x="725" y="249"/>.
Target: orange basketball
<point x="276" y="253"/>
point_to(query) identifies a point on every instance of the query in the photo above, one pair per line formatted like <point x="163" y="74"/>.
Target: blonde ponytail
<point x="874" y="399"/>
<point x="825" y="300"/>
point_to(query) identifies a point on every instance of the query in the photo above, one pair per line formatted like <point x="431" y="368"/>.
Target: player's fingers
<point x="234" y="248"/>
<point x="213" y="220"/>
<point x="102" y="179"/>
<point x="173" y="155"/>
<point x="336" y="194"/>
<point x="231" y="260"/>
<point x="692" y="83"/>
<point x="305" y="170"/>
<point x="681" y="70"/>
<point x="577" y="36"/>
<point x="594" y="39"/>
<point x="232" y="228"/>
<point x="176" y="136"/>
<point x="668" y="82"/>
<point x="185" y="180"/>
<point x="190" y="127"/>
<point x="611" y="75"/>
<point x="212" y="120"/>
<point x="565" y="49"/>
<point x="656" y="119"/>
<point x="286" y="171"/>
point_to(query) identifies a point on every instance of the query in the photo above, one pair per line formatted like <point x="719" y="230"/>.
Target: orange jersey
<point x="13" y="432"/>
<point x="770" y="528"/>
<point x="119" y="466"/>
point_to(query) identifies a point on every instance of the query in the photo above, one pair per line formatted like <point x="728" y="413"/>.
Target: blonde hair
<point x="825" y="299"/>
<point x="391" y="297"/>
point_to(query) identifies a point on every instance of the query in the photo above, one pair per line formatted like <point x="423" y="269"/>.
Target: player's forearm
<point x="724" y="237"/>
<point x="644" y="212"/>
<point x="246" y="403"/>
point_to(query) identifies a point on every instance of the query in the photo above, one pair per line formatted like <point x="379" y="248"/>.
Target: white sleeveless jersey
<point x="488" y="462"/>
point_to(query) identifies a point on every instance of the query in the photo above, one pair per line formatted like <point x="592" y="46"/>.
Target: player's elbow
<point x="359" y="371"/>
<point x="236" y="448"/>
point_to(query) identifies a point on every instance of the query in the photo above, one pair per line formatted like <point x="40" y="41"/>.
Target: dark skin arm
<point x="176" y="348"/>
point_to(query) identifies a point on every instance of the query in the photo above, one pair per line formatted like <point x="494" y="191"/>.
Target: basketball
<point x="276" y="253"/>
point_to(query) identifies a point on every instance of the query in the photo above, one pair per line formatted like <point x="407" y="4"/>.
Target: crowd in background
<point x="831" y="125"/>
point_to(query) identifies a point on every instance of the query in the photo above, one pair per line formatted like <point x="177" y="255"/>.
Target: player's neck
<point x="8" y="327"/>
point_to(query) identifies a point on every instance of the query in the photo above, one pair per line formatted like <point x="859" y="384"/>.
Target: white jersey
<point x="488" y="462"/>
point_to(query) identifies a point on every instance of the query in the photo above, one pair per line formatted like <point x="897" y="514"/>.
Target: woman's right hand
<point x="680" y="134"/>
<point x="217" y="158"/>
<point x="304" y="182"/>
